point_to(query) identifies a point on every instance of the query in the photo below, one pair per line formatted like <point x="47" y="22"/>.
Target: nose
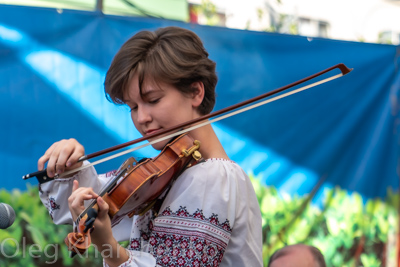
<point x="143" y="115"/>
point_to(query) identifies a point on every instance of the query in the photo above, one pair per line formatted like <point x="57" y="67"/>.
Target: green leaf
<point x="37" y="236"/>
<point x="333" y="226"/>
<point x="370" y="260"/>
<point x="23" y="215"/>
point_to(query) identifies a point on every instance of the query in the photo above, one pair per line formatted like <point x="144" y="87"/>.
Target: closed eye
<point x="154" y="101"/>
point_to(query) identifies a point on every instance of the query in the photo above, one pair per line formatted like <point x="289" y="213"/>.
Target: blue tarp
<point x="52" y="68"/>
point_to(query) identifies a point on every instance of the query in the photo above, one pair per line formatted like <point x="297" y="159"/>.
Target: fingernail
<point x="68" y="164"/>
<point x="51" y="174"/>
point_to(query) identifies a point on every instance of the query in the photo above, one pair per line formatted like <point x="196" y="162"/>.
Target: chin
<point x="159" y="145"/>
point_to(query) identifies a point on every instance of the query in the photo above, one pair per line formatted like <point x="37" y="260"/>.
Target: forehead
<point x="134" y="91"/>
<point x="294" y="256"/>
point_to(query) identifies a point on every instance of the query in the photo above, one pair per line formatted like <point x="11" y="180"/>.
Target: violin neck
<point x="104" y="190"/>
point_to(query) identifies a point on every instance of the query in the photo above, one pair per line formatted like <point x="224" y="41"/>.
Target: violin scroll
<point x="78" y="242"/>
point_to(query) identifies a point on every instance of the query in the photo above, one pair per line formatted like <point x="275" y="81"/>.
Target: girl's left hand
<point x="102" y="233"/>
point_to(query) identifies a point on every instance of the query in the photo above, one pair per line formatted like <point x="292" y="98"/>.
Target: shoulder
<point x="216" y="170"/>
<point x="213" y="175"/>
<point x="211" y="185"/>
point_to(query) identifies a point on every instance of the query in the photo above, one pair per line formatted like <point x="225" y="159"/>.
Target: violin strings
<point x="103" y="191"/>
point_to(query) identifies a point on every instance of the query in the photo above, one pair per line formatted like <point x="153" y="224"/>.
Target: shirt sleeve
<point x="196" y="218"/>
<point x="54" y="195"/>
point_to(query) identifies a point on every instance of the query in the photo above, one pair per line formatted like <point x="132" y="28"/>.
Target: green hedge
<point x="33" y="239"/>
<point x="347" y="231"/>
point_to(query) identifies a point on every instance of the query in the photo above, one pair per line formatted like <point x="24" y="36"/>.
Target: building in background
<point x="376" y="21"/>
<point x="163" y="9"/>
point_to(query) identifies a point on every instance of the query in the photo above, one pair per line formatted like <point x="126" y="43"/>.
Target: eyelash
<point x="154" y="101"/>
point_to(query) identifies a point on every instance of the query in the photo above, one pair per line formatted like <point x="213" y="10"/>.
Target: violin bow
<point x="198" y="122"/>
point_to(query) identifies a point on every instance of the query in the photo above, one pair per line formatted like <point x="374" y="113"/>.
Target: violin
<point x="142" y="183"/>
<point x="138" y="188"/>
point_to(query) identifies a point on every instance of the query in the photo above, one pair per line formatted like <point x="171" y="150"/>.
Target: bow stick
<point x="197" y="122"/>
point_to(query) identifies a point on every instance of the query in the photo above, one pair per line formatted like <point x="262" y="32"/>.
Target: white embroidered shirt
<point x="210" y="217"/>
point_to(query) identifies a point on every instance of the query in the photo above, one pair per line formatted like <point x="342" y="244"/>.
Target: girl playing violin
<point x="166" y="78"/>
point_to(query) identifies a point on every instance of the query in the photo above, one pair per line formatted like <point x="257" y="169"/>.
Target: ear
<point x="197" y="93"/>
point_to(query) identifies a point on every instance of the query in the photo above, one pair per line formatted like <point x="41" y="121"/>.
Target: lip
<point x="151" y="131"/>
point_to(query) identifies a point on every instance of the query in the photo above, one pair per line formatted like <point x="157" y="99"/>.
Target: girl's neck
<point x="210" y="146"/>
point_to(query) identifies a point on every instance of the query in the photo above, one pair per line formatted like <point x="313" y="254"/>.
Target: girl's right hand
<point x="62" y="156"/>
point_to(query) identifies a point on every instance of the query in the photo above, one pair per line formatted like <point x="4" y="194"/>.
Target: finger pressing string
<point x="75" y="185"/>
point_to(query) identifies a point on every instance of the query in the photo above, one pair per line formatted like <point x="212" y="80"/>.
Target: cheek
<point x="134" y="121"/>
<point x="132" y="118"/>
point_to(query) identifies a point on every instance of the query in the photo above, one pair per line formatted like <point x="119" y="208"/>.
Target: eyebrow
<point x="144" y="94"/>
<point x="150" y="92"/>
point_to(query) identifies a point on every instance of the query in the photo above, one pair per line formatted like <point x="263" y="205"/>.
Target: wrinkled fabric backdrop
<point x="52" y="69"/>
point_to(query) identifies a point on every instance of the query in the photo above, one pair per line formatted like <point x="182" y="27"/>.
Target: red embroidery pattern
<point x="183" y="239"/>
<point x="53" y="204"/>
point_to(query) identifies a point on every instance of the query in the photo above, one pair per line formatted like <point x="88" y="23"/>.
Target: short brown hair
<point x="171" y="55"/>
